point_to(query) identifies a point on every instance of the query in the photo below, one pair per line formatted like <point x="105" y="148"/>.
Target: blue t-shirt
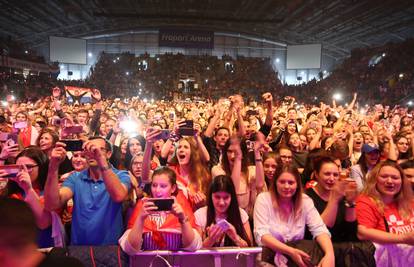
<point x="97" y="219"/>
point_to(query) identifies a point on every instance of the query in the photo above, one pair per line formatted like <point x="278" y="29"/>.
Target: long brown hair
<point x="404" y="198"/>
<point x="297" y="197"/>
<point x="198" y="173"/>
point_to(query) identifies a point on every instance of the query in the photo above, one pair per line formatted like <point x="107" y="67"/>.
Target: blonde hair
<point x="403" y="199"/>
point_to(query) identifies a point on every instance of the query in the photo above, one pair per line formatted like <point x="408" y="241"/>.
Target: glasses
<point x="30" y="167"/>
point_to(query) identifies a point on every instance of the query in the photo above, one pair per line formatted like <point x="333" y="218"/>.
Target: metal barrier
<point x="240" y="257"/>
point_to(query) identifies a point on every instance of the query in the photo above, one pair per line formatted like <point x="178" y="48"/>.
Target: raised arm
<point x="55" y="198"/>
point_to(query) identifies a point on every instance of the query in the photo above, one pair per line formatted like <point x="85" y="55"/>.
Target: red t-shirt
<point x="368" y="215"/>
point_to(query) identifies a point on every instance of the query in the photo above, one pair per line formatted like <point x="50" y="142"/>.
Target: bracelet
<point x="349" y="204"/>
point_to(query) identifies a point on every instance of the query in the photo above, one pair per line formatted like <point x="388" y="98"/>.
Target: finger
<point x="303" y="254"/>
<point x="24" y="168"/>
<point x="60" y="145"/>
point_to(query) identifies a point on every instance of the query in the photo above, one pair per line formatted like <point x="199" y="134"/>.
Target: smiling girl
<point x="222" y="205"/>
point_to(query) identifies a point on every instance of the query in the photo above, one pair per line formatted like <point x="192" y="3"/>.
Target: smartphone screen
<point x="73" y="145"/>
<point x="12" y="170"/>
<point x="163" y="204"/>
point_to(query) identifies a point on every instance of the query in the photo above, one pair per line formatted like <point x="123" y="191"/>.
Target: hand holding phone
<point x="9" y="171"/>
<point x="223" y="224"/>
<point x="162" y="204"/>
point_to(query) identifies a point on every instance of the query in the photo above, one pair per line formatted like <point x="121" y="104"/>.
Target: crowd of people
<point x="305" y="182"/>
<point x="164" y="75"/>
<point x="310" y="180"/>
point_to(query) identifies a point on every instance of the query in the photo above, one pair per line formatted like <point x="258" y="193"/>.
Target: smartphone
<point x="250" y="145"/>
<point x="73" y="144"/>
<point x="164" y="134"/>
<point x="251" y="112"/>
<point x="20" y="125"/>
<point x="56" y="121"/>
<point x="12" y="170"/>
<point x="163" y="204"/>
<point x="223" y="224"/>
<point x="13" y="137"/>
<point x="171" y="116"/>
<point x="187" y="129"/>
<point x="76" y="129"/>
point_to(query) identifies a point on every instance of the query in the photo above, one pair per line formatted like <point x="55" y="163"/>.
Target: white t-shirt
<point x="201" y="217"/>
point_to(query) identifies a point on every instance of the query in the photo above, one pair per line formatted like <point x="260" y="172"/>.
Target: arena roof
<point x="340" y="25"/>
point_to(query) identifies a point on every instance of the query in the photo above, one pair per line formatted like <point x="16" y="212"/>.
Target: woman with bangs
<point x="385" y="215"/>
<point x="193" y="177"/>
<point x="280" y="218"/>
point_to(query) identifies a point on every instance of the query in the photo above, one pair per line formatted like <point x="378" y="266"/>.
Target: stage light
<point x="114" y="61"/>
<point x="324" y="72"/>
<point x="62" y="67"/>
<point x="127" y="73"/>
<point x="277" y="60"/>
<point x="206" y="80"/>
<point x="337" y="96"/>
<point x="159" y="82"/>
<point x="26" y="52"/>
<point x="90" y="54"/>
<point x="410" y="103"/>
<point x="139" y="84"/>
<point x="401" y="75"/>
<point x="117" y="58"/>
<point x="145" y="100"/>
<point x="158" y="59"/>
<point x="383" y="54"/>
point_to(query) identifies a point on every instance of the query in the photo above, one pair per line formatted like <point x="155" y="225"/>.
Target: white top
<point x="268" y="221"/>
<point x="201" y="217"/>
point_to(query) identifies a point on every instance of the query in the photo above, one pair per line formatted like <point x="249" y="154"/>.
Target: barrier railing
<point x="240" y="257"/>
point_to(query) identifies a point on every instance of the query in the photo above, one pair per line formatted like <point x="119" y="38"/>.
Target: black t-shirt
<point x="60" y="261"/>
<point x="342" y="231"/>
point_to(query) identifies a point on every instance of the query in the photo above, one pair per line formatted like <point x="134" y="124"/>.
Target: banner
<point x="186" y="38"/>
<point x="78" y="95"/>
<point x="24" y="64"/>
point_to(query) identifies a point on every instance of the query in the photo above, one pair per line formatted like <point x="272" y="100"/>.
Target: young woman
<point x="248" y="180"/>
<point x="193" y="179"/>
<point x="135" y="144"/>
<point x="270" y="161"/>
<point x="222" y="205"/>
<point x="334" y="198"/>
<point x="280" y="216"/>
<point x="370" y="157"/>
<point x="28" y="134"/>
<point x="149" y="229"/>
<point x="29" y="185"/>
<point x="404" y="147"/>
<point x="358" y="141"/>
<point x="385" y="214"/>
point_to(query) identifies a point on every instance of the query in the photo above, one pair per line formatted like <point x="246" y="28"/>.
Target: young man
<point x="97" y="194"/>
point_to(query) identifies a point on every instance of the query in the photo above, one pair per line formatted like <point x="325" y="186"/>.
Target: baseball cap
<point x="368" y="148"/>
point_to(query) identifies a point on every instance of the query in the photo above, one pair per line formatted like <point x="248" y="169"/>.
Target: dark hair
<point x="225" y="160"/>
<point x="313" y="155"/>
<point x="320" y="161"/>
<point x="223" y="183"/>
<point x="128" y="155"/>
<point x="363" y="163"/>
<point x="55" y="136"/>
<point x="221" y="128"/>
<point x="167" y="171"/>
<point x="41" y="159"/>
<point x="409" y="164"/>
<point x="108" y="145"/>
<point x="17" y="225"/>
